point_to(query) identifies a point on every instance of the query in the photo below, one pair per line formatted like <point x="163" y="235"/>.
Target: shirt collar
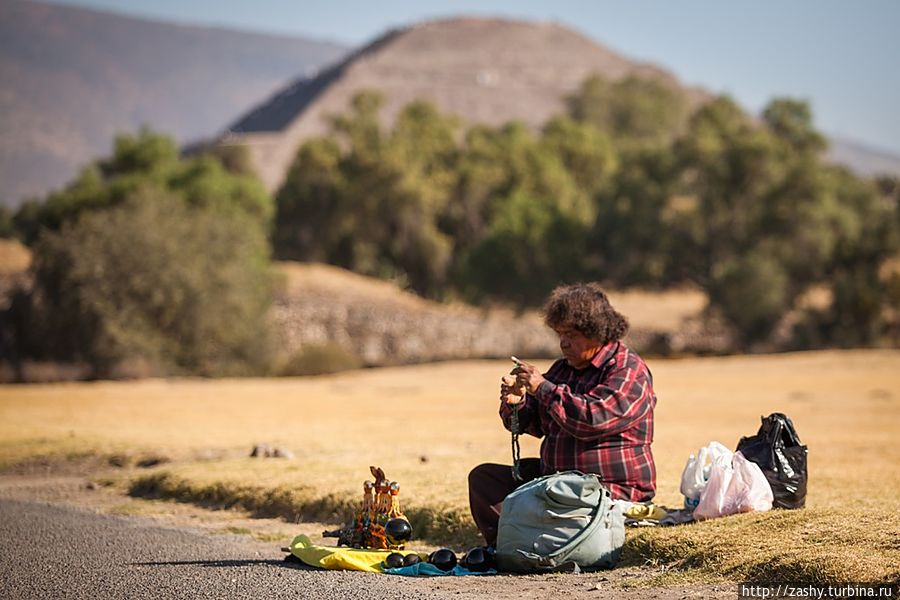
<point x="605" y="353"/>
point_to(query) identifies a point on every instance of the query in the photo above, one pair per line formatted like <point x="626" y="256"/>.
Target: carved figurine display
<point x="380" y="505"/>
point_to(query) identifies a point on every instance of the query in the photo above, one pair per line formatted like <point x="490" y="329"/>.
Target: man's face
<point x="576" y="348"/>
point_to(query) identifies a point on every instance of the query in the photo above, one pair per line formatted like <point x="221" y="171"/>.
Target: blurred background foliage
<point x="163" y="259"/>
<point x="148" y="264"/>
<point x="628" y="188"/>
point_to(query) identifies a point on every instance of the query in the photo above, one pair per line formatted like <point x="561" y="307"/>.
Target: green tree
<point x="7" y="228"/>
<point x="631" y="242"/>
<point x="587" y="154"/>
<point x="530" y="248"/>
<point x="376" y="206"/>
<point x="312" y="218"/>
<point x="176" y="288"/>
<point x="867" y="237"/>
<point x="748" y="192"/>
<point x="632" y="109"/>
<point x="148" y="158"/>
<point x="791" y="120"/>
<point x="767" y="219"/>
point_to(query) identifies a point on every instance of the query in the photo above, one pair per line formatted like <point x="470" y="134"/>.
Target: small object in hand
<point x="510" y="382"/>
<point x="394" y="560"/>
<point x="444" y="559"/>
<point x="478" y="560"/>
<point x="411" y="559"/>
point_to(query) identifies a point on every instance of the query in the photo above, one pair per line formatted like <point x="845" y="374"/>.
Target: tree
<point x="7" y="228"/>
<point x="148" y="158"/>
<point x="530" y="248"/>
<point x="631" y="110"/>
<point x="173" y="287"/>
<point x="587" y="153"/>
<point x="375" y="207"/>
<point x="791" y="120"/>
<point x="631" y="242"/>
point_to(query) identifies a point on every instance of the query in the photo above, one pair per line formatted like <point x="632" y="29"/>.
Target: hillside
<point x="863" y="159"/>
<point x="73" y="78"/>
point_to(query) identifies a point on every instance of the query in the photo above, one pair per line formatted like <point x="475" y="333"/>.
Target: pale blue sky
<point x="843" y="56"/>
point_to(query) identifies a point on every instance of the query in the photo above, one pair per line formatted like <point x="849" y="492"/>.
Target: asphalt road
<point x="61" y="552"/>
<point x="50" y="551"/>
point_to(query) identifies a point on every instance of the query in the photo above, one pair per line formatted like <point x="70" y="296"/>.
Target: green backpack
<point x="563" y="518"/>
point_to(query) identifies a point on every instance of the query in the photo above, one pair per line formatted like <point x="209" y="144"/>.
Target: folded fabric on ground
<point x="335" y="558"/>
<point x="647" y="514"/>
<point x="639" y="511"/>
<point x="424" y="569"/>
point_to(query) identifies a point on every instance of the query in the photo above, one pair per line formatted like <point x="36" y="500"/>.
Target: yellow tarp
<point x="352" y="559"/>
<point x="649" y="512"/>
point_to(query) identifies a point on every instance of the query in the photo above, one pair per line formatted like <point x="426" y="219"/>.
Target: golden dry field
<point x="14" y="257"/>
<point x="428" y="425"/>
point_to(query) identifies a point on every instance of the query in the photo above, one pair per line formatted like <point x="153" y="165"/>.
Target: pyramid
<point x="483" y="70"/>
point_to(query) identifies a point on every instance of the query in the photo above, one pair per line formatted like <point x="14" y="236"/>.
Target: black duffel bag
<point x="776" y="448"/>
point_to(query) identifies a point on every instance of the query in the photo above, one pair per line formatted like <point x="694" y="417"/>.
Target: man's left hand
<point x="528" y="376"/>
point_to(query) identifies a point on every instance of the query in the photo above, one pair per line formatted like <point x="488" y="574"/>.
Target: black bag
<point x="777" y="450"/>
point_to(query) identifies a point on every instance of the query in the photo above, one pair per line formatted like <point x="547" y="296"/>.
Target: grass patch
<point x="436" y="525"/>
<point x="257" y="535"/>
<point x="819" y="546"/>
<point x="236" y="530"/>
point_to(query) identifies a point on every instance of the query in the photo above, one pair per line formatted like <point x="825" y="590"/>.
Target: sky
<point x="842" y="56"/>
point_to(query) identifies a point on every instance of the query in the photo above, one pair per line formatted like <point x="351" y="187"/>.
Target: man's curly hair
<point x="585" y="307"/>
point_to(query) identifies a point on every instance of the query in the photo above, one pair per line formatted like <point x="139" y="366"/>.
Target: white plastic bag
<point x="735" y="485"/>
<point x="696" y="471"/>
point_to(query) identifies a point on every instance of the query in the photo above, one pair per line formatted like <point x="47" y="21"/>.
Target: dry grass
<point x="14" y="257"/>
<point x="845" y="405"/>
<point x="647" y="310"/>
<point x="659" y="311"/>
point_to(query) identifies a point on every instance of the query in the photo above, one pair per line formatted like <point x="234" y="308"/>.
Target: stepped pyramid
<point x="483" y="70"/>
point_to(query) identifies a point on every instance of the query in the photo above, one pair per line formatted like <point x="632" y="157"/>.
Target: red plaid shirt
<point x="596" y="420"/>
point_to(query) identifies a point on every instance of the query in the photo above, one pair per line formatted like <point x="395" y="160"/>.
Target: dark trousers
<point x="489" y="484"/>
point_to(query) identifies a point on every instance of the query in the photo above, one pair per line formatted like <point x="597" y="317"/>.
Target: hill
<point x="73" y="78"/>
<point x="863" y="159"/>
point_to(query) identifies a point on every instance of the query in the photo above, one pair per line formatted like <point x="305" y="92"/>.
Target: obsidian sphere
<point x="478" y="560"/>
<point x="394" y="560"/>
<point x="411" y="559"/>
<point x="444" y="559"/>
<point x="397" y="531"/>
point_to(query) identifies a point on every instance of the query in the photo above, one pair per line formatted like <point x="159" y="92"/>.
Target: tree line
<point x="158" y="260"/>
<point x="629" y="187"/>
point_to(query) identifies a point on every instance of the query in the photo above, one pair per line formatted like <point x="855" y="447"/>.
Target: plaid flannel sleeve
<point x="529" y="420"/>
<point x="607" y="409"/>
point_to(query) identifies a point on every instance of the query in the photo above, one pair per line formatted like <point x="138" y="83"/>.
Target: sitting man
<point x="594" y="409"/>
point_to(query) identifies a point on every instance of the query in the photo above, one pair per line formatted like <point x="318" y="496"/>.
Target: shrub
<point x="153" y="281"/>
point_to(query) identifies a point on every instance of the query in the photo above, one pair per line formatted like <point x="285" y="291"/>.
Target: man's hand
<point x="510" y="391"/>
<point x="527" y="376"/>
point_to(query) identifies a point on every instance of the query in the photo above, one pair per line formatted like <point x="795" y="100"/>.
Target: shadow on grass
<point x="439" y="526"/>
<point x="821" y="546"/>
